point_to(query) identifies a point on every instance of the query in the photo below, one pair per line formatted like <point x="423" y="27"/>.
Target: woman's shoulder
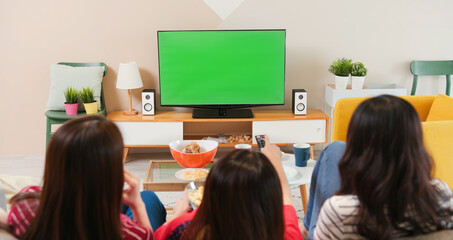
<point x="445" y="197"/>
<point x="132" y="230"/>
<point x="175" y="228"/>
<point x="337" y="217"/>
<point x="343" y="207"/>
<point x="343" y="201"/>
<point x="23" y="209"/>
<point x="441" y="185"/>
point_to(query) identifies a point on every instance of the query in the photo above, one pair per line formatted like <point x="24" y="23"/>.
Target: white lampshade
<point x="128" y="76"/>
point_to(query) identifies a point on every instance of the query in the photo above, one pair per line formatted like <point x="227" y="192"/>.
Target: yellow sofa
<point x="438" y="135"/>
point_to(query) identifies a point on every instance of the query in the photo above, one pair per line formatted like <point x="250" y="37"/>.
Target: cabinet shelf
<point x="282" y="126"/>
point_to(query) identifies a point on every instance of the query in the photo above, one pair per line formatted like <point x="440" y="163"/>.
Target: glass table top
<point x="161" y="176"/>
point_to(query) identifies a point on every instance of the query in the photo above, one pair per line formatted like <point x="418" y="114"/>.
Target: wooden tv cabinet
<point x="282" y="126"/>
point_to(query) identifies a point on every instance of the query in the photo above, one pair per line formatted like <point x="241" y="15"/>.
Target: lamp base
<point x="130" y="112"/>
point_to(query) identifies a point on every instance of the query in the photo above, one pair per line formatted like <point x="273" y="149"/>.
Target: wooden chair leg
<point x="125" y="152"/>
<point x="303" y="195"/>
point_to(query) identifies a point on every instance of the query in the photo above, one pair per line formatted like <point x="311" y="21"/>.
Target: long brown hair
<point x="83" y="181"/>
<point x="242" y="200"/>
<point x="387" y="166"/>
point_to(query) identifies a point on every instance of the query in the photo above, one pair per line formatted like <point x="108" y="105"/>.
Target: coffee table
<point x="161" y="176"/>
<point x="302" y="178"/>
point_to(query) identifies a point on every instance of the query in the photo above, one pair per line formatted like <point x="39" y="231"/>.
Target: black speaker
<point x="299" y="102"/>
<point x="148" y="102"/>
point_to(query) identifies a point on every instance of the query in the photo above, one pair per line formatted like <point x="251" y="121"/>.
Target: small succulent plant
<point x="87" y="95"/>
<point x="71" y="95"/>
<point x="358" y="69"/>
<point x="341" y="67"/>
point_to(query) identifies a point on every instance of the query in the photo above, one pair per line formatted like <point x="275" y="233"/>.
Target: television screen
<point x="228" y="68"/>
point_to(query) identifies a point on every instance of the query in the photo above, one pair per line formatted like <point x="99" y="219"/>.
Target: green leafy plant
<point x="71" y="95"/>
<point x="341" y="67"/>
<point x="87" y="95"/>
<point x="358" y="69"/>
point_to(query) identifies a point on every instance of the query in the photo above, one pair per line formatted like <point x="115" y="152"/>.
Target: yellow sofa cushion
<point x="438" y="138"/>
<point x="344" y="108"/>
<point x="442" y="109"/>
<point x="422" y="104"/>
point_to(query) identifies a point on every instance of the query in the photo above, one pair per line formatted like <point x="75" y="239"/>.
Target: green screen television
<point x="220" y="72"/>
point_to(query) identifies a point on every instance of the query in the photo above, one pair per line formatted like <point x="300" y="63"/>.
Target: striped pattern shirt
<point x="23" y="212"/>
<point x="338" y="216"/>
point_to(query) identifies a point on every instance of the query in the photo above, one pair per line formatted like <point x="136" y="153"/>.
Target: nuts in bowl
<point x="193" y="153"/>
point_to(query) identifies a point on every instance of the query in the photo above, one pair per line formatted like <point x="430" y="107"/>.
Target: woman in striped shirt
<point x="386" y="187"/>
<point x="82" y="193"/>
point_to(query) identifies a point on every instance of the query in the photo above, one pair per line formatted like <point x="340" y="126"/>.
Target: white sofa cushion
<point x="62" y="76"/>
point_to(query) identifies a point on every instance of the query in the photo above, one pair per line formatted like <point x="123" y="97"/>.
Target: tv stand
<point x="282" y="126"/>
<point x="222" y="113"/>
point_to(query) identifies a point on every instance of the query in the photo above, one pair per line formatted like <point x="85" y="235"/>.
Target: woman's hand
<point x="132" y="198"/>
<point x="272" y="152"/>
<point x="131" y="195"/>
<point x="181" y="206"/>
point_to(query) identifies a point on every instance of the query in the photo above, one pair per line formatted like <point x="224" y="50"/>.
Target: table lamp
<point x="129" y="78"/>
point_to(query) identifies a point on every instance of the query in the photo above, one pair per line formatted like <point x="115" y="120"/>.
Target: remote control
<point x="260" y="141"/>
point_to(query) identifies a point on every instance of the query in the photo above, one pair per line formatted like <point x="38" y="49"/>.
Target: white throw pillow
<point x="63" y="76"/>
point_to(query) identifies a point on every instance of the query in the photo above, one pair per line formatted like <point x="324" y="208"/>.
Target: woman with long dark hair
<point x="246" y="196"/>
<point x="386" y="188"/>
<point x="82" y="191"/>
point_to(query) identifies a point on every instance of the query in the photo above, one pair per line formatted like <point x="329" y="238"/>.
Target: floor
<point x="137" y="163"/>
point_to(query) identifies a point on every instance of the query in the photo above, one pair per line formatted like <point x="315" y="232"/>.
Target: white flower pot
<point x="357" y="82"/>
<point x="341" y="82"/>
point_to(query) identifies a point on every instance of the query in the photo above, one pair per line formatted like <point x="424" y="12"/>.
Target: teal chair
<point x="59" y="117"/>
<point x="420" y="68"/>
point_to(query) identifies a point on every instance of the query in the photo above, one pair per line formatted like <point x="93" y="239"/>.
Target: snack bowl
<point x="193" y="160"/>
<point x="194" y="192"/>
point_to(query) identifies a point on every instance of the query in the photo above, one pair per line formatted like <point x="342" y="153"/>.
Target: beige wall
<point x="385" y="35"/>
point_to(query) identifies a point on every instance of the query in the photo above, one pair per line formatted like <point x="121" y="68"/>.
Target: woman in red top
<point x="82" y="193"/>
<point x="246" y="196"/>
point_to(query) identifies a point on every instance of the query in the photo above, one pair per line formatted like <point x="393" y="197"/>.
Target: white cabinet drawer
<point x="150" y="133"/>
<point x="311" y="131"/>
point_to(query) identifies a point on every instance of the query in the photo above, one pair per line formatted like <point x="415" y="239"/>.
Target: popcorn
<point x="196" y="196"/>
<point x="239" y="138"/>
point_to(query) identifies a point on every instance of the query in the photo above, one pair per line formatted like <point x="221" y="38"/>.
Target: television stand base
<point x="222" y="113"/>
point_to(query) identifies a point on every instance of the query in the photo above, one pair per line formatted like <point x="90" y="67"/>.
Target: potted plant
<point x="358" y="73"/>
<point x="91" y="105"/>
<point x="71" y="105"/>
<point x="341" y="69"/>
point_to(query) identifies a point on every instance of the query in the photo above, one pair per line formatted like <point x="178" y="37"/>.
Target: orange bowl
<point x="193" y="160"/>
